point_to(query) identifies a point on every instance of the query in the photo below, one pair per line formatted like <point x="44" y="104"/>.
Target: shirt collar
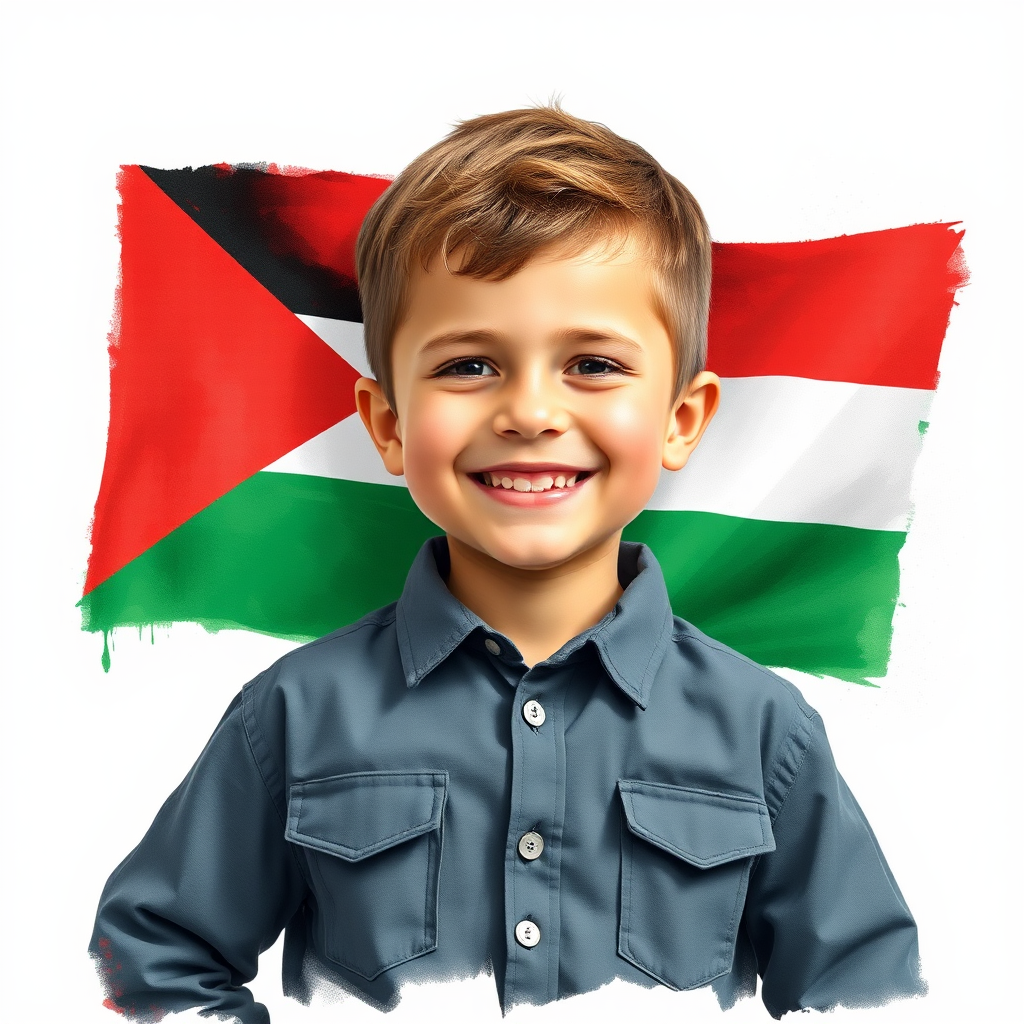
<point x="431" y="622"/>
<point x="631" y="640"/>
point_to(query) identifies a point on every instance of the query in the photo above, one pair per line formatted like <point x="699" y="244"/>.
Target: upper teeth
<point x="521" y="483"/>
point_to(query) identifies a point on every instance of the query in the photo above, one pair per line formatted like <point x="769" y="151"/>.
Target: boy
<point x="526" y="764"/>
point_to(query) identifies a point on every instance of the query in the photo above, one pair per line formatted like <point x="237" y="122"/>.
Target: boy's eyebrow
<point x="461" y="337"/>
<point x="599" y="334"/>
<point x="471" y="337"/>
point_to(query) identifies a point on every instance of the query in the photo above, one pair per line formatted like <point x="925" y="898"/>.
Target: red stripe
<point x="868" y="309"/>
<point x="211" y="379"/>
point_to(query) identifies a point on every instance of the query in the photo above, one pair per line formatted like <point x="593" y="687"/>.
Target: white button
<point x="531" y="846"/>
<point x="527" y="934"/>
<point x="492" y="646"/>
<point x="533" y="712"/>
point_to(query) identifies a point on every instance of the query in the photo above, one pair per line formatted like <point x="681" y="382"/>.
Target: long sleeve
<point x="184" y="917"/>
<point x="824" y="915"/>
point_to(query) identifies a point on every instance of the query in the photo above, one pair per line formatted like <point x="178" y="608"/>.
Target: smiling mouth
<point x="531" y="482"/>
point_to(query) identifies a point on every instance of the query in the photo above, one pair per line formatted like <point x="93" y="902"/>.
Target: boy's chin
<point x="533" y="554"/>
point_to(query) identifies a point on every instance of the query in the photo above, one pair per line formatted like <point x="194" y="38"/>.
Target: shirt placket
<point x="534" y="842"/>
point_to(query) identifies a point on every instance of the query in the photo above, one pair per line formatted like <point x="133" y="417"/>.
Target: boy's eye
<point x="592" y="366"/>
<point x="467" y="368"/>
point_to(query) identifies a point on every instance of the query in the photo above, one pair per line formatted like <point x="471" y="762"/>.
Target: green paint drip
<point x="298" y="556"/>
<point x="105" y="656"/>
<point x="922" y="427"/>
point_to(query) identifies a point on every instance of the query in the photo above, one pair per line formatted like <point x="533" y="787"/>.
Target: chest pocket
<point x="373" y="844"/>
<point x="686" y="860"/>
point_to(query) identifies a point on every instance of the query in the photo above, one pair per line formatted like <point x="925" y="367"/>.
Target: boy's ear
<point x="381" y="424"/>
<point x="691" y="413"/>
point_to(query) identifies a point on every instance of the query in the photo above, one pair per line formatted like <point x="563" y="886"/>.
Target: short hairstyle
<point x="502" y="187"/>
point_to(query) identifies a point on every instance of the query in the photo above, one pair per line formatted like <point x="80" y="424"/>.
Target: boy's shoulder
<point x="735" y="713"/>
<point x="355" y="636"/>
<point x="716" y="670"/>
<point x="365" y="650"/>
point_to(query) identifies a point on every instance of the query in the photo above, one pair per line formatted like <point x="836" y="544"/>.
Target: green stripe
<point x="298" y="556"/>
<point x="800" y="595"/>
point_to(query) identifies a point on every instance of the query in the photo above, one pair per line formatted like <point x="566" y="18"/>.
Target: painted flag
<point x="241" y="491"/>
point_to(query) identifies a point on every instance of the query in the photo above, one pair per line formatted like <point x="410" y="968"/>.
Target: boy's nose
<point x="529" y="407"/>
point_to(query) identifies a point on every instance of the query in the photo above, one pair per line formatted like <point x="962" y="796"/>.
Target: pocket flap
<point x="355" y="816"/>
<point x="701" y="827"/>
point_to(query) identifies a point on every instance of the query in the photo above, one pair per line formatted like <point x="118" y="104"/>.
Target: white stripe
<point x="787" y="449"/>
<point x="344" y="336"/>
<point x="342" y="452"/>
<point x="808" y="451"/>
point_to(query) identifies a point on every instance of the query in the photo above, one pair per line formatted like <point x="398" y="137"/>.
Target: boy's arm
<point x="183" y="919"/>
<point x="824" y="914"/>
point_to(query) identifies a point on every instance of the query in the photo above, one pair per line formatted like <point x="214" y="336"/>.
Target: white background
<point x="788" y="121"/>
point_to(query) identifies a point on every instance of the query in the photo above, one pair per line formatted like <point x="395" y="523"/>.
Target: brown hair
<point x="501" y="187"/>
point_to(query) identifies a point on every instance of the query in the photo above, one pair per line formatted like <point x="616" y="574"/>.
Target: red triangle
<point x="211" y="379"/>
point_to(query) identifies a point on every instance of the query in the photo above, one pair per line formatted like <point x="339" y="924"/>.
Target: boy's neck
<point x="539" y="610"/>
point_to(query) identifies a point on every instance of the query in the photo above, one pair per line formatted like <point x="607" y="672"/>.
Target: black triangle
<point x="222" y="201"/>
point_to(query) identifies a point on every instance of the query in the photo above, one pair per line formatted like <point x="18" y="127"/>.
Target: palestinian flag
<point x="240" y="490"/>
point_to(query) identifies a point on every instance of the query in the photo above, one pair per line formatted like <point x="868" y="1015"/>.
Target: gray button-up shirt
<point x="368" y="794"/>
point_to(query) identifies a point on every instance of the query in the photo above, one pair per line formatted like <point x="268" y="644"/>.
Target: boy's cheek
<point x="424" y="468"/>
<point x="632" y="428"/>
<point x="430" y="473"/>
<point x="432" y="439"/>
<point x="636" y="440"/>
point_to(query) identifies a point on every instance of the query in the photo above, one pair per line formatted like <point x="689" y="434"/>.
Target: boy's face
<point x="534" y="414"/>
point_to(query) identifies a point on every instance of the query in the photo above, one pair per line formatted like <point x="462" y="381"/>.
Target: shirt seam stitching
<point x="799" y="766"/>
<point x="249" y="712"/>
<point x="379" y="618"/>
<point x="807" y="712"/>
